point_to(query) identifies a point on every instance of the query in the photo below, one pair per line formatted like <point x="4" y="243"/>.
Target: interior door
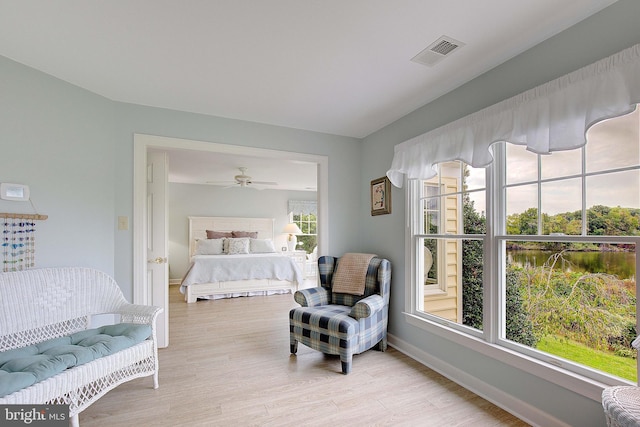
<point x="157" y="237"/>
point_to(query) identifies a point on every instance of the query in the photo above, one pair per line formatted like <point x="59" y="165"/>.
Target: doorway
<point x="143" y="143"/>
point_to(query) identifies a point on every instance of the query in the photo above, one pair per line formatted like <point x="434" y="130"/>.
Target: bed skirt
<point x="238" y="288"/>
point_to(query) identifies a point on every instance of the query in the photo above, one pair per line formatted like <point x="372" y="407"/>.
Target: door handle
<point x="158" y="260"/>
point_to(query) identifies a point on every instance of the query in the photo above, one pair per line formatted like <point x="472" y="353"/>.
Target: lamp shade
<point x="291" y="228"/>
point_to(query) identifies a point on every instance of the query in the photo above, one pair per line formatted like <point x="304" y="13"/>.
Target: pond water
<point x="621" y="264"/>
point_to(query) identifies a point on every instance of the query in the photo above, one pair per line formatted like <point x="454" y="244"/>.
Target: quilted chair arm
<point x="312" y="297"/>
<point x="367" y="306"/>
<point x="137" y="313"/>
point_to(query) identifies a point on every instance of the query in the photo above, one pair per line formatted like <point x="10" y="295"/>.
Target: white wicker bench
<point x="41" y="304"/>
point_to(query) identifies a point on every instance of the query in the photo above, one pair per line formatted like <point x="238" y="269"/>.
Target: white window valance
<point x="551" y="117"/>
<point x="303" y="207"/>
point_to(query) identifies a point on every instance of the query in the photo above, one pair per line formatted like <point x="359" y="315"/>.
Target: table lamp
<point x="292" y="229"/>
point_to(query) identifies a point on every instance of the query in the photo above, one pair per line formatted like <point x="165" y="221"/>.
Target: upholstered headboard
<point x="198" y="226"/>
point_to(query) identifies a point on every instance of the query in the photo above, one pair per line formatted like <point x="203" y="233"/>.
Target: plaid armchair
<point x="342" y="324"/>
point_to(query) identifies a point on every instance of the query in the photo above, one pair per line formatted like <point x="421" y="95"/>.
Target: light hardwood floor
<point x="228" y="364"/>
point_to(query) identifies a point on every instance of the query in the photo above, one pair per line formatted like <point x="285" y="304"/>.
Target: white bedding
<point x="228" y="276"/>
<point x="224" y="268"/>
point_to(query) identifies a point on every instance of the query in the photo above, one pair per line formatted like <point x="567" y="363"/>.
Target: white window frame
<point x="415" y="207"/>
<point x="578" y="378"/>
<point x="440" y="286"/>
<point x="292" y="214"/>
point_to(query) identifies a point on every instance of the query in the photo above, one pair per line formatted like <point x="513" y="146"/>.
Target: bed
<point x="234" y="257"/>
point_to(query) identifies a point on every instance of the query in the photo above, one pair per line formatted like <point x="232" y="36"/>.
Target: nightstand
<point x="300" y="257"/>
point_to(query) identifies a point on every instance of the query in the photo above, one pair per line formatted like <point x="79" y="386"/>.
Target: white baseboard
<point x="526" y="412"/>
<point x="174" y="282"/>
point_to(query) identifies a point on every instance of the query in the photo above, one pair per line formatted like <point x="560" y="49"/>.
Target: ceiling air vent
<point x="437" y="51"/>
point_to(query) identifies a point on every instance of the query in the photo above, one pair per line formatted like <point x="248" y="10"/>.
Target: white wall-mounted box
<point x="17" y="192"/>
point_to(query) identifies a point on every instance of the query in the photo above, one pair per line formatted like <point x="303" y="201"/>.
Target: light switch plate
<point x="123" y="223"/>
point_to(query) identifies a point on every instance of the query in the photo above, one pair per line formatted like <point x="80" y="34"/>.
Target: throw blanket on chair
<point x="351" y="273"/>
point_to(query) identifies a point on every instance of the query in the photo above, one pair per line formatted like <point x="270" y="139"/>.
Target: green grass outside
<point x="623" y="367"/>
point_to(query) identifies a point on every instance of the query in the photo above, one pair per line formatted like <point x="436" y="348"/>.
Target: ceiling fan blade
<point x="243" y="180"/>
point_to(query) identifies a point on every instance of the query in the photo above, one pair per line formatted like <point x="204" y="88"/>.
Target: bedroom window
<point x="548" y="269"/>
<point x="304" y="214"/>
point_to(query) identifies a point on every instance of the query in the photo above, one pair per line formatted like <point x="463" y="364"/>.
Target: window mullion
<point x="414" y="219"/>
<point x="539" y="192"/>
<point x="495" y="224"/>
<point x="583" y="182"/>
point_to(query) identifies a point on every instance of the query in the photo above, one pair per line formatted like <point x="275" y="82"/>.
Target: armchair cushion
<point x="328" y="328"/>
<point x="367" y="306"/>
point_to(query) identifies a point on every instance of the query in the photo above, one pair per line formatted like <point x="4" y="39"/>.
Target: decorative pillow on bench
<point x="22" y="367"/>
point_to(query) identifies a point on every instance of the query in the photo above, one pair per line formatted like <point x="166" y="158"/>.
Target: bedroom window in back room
<point x="304" y="214"/>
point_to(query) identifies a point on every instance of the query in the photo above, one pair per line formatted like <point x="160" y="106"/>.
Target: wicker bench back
<point x="39" y="304"/>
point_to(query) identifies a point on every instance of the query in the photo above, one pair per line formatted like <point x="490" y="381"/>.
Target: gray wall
<point x="75" y="150"/>
<point x="606" y="33"/>
<point x="58" y="139"/>
<point x="206" y="200"/>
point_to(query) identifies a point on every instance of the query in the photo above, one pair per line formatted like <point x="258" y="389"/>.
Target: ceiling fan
<point x="243" y="180"/>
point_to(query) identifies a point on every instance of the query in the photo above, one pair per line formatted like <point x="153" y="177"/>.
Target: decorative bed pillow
<point x="237" y="245"/>
<point x="261" y="246"/>
<point x="218" y="234"/>
<point x="209" y="246"/>
<point x="250" y="234"/>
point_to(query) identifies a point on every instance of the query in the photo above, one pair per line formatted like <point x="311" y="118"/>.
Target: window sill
<point x="576" y="383"/>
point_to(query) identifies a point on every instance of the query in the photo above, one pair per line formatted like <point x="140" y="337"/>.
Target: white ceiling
<point x="219" y="169"/>
<point x="335" y="66"/>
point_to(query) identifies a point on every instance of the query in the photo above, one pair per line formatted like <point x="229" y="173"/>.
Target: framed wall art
<point x="380" y="196"/>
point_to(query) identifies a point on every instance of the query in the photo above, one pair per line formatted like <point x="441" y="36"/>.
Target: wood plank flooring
<point x="228" y="364"/>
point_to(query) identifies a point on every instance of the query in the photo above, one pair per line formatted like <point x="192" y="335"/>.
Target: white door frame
<point x="142" y="142"/>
